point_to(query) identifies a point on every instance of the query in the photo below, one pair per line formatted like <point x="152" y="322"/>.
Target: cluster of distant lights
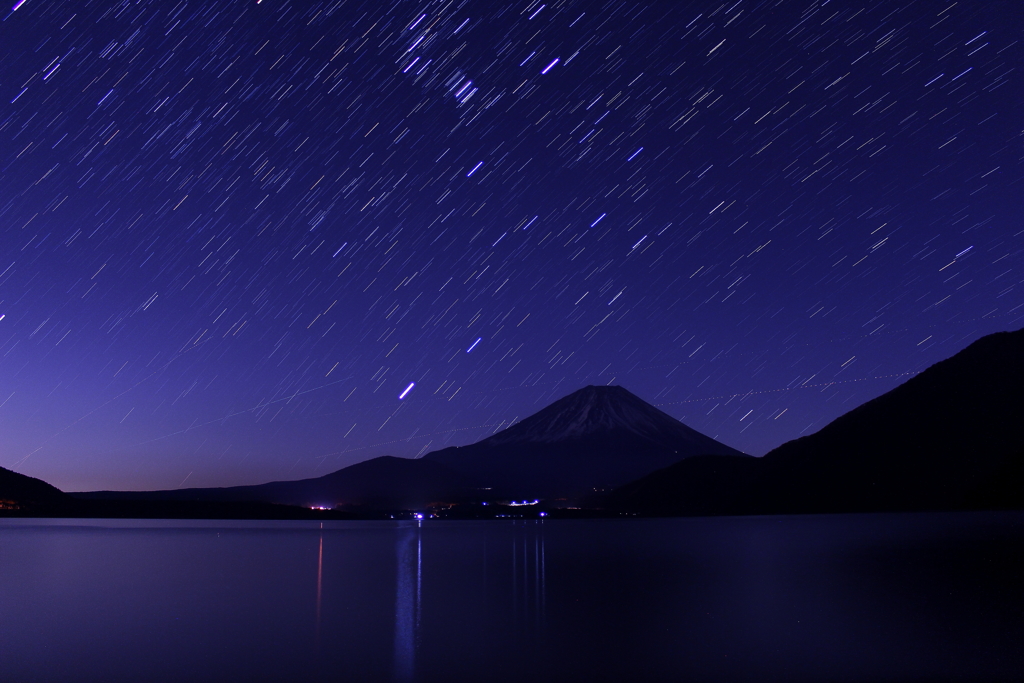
<point x="420" y="516"/>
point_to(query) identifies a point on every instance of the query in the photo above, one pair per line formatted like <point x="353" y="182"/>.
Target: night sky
<point x="234" y="233"/>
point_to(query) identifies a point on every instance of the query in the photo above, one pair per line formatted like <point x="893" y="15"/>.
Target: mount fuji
<point x="596" y="438"/>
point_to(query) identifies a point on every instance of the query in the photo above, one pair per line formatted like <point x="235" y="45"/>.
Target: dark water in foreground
<point x="847" y="597"/>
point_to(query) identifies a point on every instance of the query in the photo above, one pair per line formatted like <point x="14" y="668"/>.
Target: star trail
<point x="236" y="235"/>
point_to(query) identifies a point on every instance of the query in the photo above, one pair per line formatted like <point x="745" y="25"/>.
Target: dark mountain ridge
<point x="949" y="438"/>
<point x="21" y="492"/>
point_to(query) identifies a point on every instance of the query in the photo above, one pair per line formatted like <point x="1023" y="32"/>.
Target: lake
<point x="836" y="597"/>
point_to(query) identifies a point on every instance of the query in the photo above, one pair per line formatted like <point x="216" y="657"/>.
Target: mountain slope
<point x="928" y="443"/>
<point x="385" y="482"/>
<point x="20" y="492"/>
<point x="949" y="438"/>
<point x="594" y="438"/>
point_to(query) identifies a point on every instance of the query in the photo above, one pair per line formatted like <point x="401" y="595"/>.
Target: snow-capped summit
<point x="594" y="410"/>
<point x="596" y="437"/>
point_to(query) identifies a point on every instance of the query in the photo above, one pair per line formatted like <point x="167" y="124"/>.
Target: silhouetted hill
<point x="23" y="496"/>
<point x="950" y="438"/>
<point x="594" y="438"/>
<point x="386" y="482"/>
<point x="597" y="437"/>
<point x="712" y="484"/>
<point x="20" y="492"/>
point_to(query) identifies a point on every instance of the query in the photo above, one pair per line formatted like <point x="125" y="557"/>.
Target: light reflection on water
<point x="409" y="563"/>
<point x="319" y="586"/>
<point x="528" y="576"/>
<point x="853" y="597"/>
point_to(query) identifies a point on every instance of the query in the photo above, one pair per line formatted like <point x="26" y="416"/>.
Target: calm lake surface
<point x="840" y="597"/>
